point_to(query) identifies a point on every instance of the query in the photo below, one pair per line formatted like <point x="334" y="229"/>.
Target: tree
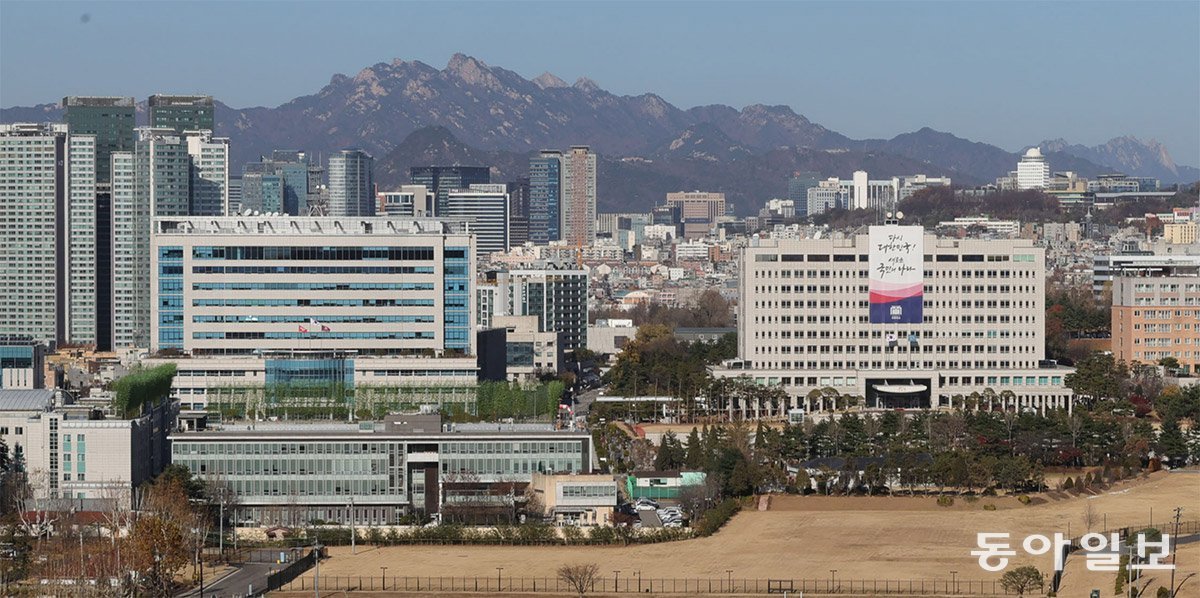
<point x="695" y="452"/>
<point x="671" y="454"/>
<point x="1022" y="579"/>
<point x="1171" y="444"/>
<point x="1098" y="376"/>
<point x="161" y="540"/>
<point x="581" y="577"/>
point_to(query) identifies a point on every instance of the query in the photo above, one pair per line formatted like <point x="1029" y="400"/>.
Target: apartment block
<point x="1156" y="315"/>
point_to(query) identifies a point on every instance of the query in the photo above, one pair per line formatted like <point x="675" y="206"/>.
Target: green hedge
<point x="142" y="387"/>
<point x="716" y="517"/>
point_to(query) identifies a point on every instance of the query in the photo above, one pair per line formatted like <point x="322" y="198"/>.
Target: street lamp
<point x="639" y="574"/>
<point x="729" y="580"/>
<point x="616" y="578"/>
<point x="832" y="578"/>
<point x="499" y="570"/>
<point x="317" y="564"/>
<point x="353" y="532"/>
<point x="384" y="576"/>
<point x="954" y="578"/>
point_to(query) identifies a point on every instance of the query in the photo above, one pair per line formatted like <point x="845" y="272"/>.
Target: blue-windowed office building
<point x="280" y="298"/>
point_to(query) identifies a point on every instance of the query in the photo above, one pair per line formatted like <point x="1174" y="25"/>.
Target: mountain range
<point x="407" y="112"/>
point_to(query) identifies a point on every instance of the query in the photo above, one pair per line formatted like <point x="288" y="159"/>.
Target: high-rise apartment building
<point x="898" y="318"/>
<point x="485" y="211"/>
<point x="545" y="197"/>
<point x="182" y="113"/>
<point x="579" y="196"/>
<point x="351" y="186"/>
<point x="441" y="180"/>
<point x="559" y="299"/>
<point x="48" y="233"/>
<point x="698" y="211"/>
<point x="368" y="285"/>
<point x="153" y="180"/>
<point x="1033" y="172"/>
<point x="209" y="164"/>
<point x="110" y="119"/>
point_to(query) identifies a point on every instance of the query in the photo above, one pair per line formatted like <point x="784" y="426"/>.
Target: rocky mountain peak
<point x="548" y="80"/>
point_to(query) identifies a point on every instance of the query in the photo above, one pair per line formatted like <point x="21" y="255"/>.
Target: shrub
<point x="572" y="535"/>
<point x="945" y="501"/>
<point x="1068" y="484"/>
<point x="989" y="507"/>
<point x="1162" y="593"/>
<point x="142" y="387"/>
<point x="1022" y="579"/>
<point x="716" y="517"/>
<point x="1024" y="499"/>
<point x="971" y="499"/>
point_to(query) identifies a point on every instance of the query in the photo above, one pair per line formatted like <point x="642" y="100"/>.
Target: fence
<point x="284" y="576"/>
<point x="633" y="584"/>
<point x="1186" y="528"/>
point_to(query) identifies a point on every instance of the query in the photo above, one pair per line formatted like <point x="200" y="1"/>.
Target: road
<point x="585" y="399"/>
<point x="236" y="584"/>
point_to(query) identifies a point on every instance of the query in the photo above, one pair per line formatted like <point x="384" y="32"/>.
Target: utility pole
<point x="353" y="532"/>
<point x="1174" y="560"/>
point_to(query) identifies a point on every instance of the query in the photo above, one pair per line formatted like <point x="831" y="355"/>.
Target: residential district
<point x="303" y="353"/>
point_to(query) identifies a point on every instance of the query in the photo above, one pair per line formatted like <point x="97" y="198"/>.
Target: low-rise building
<point x="661" y="484"/>
<point x="76" y="452"/>
<point x="575" y="499"/>
<point x="372" y="473"/>
<point x="529" y="352"/>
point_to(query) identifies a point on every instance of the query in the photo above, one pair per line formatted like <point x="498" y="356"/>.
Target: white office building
<point x="375" y="286"/>
<point x="1033" y="172"/>
<point x="351" y="187"/>
<point x="484" y="210"/>
<point x="962" y="321"/>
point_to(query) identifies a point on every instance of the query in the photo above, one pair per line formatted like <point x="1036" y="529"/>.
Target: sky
<point x="1007" y="73"/>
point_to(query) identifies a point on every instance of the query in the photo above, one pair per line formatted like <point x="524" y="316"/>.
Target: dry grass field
<point x="805" y="537"/>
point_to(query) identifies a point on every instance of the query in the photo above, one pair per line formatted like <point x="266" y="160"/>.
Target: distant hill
<point x="646" y="144"/>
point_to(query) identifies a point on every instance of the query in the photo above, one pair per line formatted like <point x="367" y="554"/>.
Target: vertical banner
<point x="897" y="276"/>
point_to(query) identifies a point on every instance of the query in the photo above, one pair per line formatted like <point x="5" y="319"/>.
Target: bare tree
<point x="1090" y="517"/>
<point x="581" y="577"/>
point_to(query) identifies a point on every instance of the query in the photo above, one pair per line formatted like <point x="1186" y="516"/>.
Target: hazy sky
<point x="1007" y="73"/>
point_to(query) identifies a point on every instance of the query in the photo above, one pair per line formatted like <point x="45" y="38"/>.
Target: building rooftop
<point x="26" y="400"/>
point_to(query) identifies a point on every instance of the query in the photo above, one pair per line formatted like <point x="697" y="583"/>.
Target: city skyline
<point x="976" y="46"/>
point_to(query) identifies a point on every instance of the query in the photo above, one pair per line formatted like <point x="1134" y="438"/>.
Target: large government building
<point x="898" y="318"/>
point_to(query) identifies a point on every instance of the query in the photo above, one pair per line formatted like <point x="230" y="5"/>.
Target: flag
<point x="325" y="328"/>
<point x="303" y="329"/>
<point x="314" y="322"/>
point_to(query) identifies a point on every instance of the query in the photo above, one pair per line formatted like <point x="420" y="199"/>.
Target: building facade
<point x="559" y="299"/>
<point x="48" y="235"/>
<point x="411" y="201"/>
<point x="372" y="473"/>
<point x="440" y="180"/>
<point x="376" y="286"/>
<point x="1156" y="315"/>
<point x="182" y="113"/>
<point x="69" y="453"/>
<point x="545" y="197"/>
<point x="209" y="164"/>
<point x="579" y="196"/>
<point x="485" y="211"/>
<point x="1033" y="172"/>
<point x="110" y="120"/>
<point x="698" y="211"/>
<point x="810" y="317"/>
<point x="351" y="187"/>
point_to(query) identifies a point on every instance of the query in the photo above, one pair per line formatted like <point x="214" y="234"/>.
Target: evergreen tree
<point x="695" y="452"/>
<point x="1171" y="444"/>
